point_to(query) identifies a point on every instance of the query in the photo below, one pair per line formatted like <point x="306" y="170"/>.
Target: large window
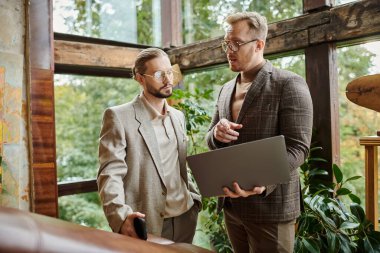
<point x="133" y="21"/>
<point x="356" y="121"/>
<point x="204" y="19"/>
<point x="79" y="105"/>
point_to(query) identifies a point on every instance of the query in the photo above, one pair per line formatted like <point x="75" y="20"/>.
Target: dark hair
<point x="144" y="56"/>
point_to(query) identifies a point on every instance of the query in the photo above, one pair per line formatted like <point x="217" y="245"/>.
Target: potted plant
<point x="326" y="224"/>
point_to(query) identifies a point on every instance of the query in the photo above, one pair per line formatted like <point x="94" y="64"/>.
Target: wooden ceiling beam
<point x="94" y="59"/>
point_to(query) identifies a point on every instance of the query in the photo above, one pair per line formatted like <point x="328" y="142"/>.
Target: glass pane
<point x="79" y="105"/>
<point x="84" y="209"/>
<point x="204" y="19"/>
<point x="134" y="21"/>
<point x="356" y="121"/>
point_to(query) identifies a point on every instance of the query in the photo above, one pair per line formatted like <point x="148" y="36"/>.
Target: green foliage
<point x="355" y="121"/>
<point x="212" y="223"/>
<point x="326" y="225"/>
<point x="195" y="115"/>
<point x="203" y="19"/>
<point x="79" y="105"/>
<point x="83" y="209"/>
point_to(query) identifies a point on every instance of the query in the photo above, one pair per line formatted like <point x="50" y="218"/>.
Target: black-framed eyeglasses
<point x="160" y="75"/>
<point x="234" y="45"/>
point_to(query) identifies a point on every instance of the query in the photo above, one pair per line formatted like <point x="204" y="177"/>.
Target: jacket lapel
<point x="255" y="89"/>
<point x="181" y="143"/>
<point x="230" y="88"/>
<point x="147" y="132"/>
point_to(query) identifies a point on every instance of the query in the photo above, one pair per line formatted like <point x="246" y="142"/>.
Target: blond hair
<point x="144" y="56"/>
<point x="257" y="23"/>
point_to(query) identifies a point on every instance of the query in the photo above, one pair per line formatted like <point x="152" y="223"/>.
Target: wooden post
<point x="42" y="120"/>
<point x="321" y="76"/>
<point x="371" y="178"/>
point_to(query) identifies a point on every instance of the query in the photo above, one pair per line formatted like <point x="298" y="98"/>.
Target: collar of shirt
<point x="154" y="114"/>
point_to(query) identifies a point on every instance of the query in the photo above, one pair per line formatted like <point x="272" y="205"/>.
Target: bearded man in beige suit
<point x="142" y="153"/>
<point x="261" y="102"/>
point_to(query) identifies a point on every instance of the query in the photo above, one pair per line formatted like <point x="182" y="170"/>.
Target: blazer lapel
<point x="230" y="88"/>
<point x="147" y="132"/>
<point x="255" y="89"/>
<point x="181" y="143"/>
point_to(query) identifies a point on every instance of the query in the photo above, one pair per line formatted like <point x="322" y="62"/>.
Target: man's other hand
<point x="238" y="192"/>
<point x="224" y="131"/>
<point x="127" y="228"/>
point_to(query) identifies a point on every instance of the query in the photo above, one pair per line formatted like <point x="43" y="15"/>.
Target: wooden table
<point x="371" y="177"/>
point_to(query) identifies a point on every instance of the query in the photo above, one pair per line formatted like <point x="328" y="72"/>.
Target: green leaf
<point x="311" y="245"/>
<point x="358" y="212"/>
<point x="343" y="191"/>
<point x="353" y="178"/>
<point x="344" y="243"/>
<point x="354" y="198"/>
<point x="316" y="159"/>
<point x="337" y="173"/>
<point x="331" y="241"/>
<point x="315" y="172"/>
<point x="348" y="225"/>
<point x="368" y="245"/>
<point x="315" y="149"/>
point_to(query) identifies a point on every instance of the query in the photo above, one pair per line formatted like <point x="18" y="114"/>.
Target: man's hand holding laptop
<point x="224" y="131"/>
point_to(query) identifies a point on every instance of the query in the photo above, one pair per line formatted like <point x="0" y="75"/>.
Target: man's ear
<point x="139" y="78"/>
<point x="260" y="44"/>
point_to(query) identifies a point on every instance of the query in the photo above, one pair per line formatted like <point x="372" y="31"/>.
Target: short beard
<point x="159" y="94"/>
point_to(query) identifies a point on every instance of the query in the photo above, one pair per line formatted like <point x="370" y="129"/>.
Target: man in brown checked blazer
<point x="262" y="101"/>
<point x="142" y="153"/>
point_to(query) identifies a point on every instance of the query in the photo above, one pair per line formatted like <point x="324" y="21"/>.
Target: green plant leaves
<point x="332" y="241"/>
<point x="349" y="225"/>
<point x="358" y="211"/>
<point x="327" y="225"/>
<point x="354" y="198"/>
<point x="337" y="173"/>
<point x="311" y="245"/>
<point x="343" y="191"/>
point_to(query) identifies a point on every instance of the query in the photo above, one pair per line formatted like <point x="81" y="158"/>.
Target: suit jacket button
<point x="162" y="215"/>
<point x="164" y="193"/>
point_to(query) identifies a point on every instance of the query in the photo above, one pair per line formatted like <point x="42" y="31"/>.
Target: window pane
<point x="134" y="21"/>
<point x="204" y="19"/>
<point x="356" y="121"/>
<point x="79" y="105"/>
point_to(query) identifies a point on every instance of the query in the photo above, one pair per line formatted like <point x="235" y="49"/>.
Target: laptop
<point x="257" y="163"/>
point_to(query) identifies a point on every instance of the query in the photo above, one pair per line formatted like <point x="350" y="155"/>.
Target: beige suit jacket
<point x="130" y="177"/>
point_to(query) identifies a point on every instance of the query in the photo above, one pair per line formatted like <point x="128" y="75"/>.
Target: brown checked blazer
<point x="277" y="103"/>
<point x="130" y="174"/>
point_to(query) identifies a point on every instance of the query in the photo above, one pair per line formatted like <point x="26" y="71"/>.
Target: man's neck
<point x="250" y="75"/>
<point x="157" y="103"/>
